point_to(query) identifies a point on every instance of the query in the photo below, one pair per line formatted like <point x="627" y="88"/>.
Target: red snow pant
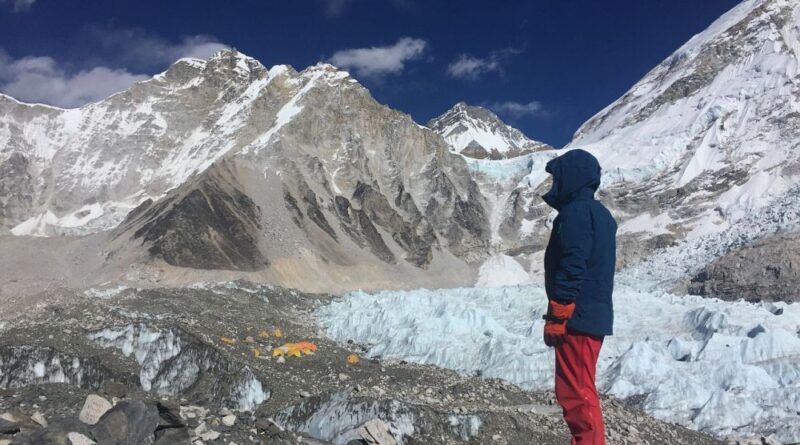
<point x="576" y="365"/>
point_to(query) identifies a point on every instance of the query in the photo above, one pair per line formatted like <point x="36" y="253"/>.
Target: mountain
<point x="231" y="166"/>
<point x="478" y="133"/>
<point x="704" y="140"/>
<point x="712" y="133"/>
<point x="226" y="165"/>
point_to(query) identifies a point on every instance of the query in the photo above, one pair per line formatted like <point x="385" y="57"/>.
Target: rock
<point x="375" y="432"/>
<point x="169" y="414"/>
<point x="265" y="425"/>
<point x="172" y="436"/>
<point x="229" y="420"/>
<point x="39" y="418"/>
<point x="5" y="442"/>
<point x="204" y="432"/>
<point x="46" y="436"/>
<point x="8" y="426"/>
<point x="128" y="422"/>
<point x="93" y="409"/>
<point x="193" y="412"/>
<point x="79" y="439"/>
<point x="766" y="270"/>
<point x="115" y="389"/>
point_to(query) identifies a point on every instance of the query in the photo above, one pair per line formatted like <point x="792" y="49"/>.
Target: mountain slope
<point x="478" y="133"/>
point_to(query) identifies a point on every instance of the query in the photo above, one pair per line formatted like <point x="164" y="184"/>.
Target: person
<point x="579" y="269"/>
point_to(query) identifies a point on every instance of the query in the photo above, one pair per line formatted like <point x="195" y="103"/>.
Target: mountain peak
<point x="477" y="132"/>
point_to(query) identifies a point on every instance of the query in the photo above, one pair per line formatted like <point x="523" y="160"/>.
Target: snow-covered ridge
<point x="86" y="168"/>
<point x="718" y="367"/>
<point x="478" y="133"/>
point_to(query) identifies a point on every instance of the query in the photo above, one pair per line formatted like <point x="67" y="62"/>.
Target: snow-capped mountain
<point x="478" y="133"/>
<point x="237" y="167"/>
<point x="710" y="134"/>
<point x="705" y="139"/>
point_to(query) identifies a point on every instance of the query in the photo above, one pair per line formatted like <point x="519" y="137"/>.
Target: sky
<point x="545" y="66"/>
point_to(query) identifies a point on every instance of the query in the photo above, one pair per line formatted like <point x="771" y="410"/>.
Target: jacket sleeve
<point x="575" y="237"/>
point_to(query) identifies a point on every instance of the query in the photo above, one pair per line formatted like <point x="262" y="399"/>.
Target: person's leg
<point x="576" y="362"/>
<point x="593" y="345"/>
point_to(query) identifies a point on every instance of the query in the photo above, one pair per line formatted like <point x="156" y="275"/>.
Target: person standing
<point x="579" y="269"/>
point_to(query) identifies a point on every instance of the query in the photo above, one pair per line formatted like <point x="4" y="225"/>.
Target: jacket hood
<point x="575" y="173"/>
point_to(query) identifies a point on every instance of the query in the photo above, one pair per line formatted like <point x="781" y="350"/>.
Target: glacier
<point x="718" y="367"/>
<point x="172" y="362"/>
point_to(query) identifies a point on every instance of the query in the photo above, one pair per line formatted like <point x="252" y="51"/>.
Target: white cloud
<point x="140" y="48"/>
<point x="43" y="80"/>
<point x="469" y="67"/>
<point x="39" y="79"/>
<point x="517" y="109"/>
<point x="380" y="60"/>
<point x="19" y="5"/>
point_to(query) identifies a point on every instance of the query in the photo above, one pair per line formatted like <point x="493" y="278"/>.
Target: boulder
<point x="128" y="423"/>
<point x="93" y="409"/>
<point x="8" y="427"/>
<point x="79" y="439"/>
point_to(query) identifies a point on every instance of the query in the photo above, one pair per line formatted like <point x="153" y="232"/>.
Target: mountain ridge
<point x="478" y="133"/>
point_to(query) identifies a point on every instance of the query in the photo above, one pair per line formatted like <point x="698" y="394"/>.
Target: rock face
<point x="768" y="270"/>
<point x="478" y="133"/>
<point x="210" y="225"/>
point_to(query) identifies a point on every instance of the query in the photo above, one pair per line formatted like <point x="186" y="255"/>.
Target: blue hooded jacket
<point x="580" y="258"/>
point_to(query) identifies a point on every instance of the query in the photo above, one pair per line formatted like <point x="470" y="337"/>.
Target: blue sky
<point x="545" y="66"/>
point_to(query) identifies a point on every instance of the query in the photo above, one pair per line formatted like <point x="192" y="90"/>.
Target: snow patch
<point x="501" y="270"/>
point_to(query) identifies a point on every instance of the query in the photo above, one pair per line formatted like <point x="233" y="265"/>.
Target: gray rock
<point x="39" y="418"/>
<point x="229" y="420"/>
<point x="93" y="409"/>
<point x="115" y="389"/>
<point x="129" y="422"/>
<point x="79" y="439"/>
<point x="768" y="270"/>
<point x="169" y="415"/>
<point x="172" y="436"/>
<point x="8" y="427"/>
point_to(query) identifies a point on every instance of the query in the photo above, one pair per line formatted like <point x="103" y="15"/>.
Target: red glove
<point x="555" y="326"/>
